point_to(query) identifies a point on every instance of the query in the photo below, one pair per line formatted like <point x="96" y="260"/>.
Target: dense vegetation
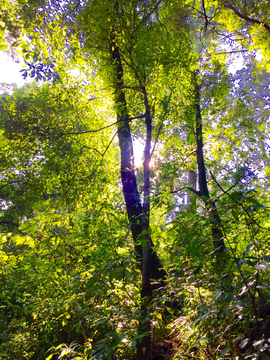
<point x="104" y="257"/>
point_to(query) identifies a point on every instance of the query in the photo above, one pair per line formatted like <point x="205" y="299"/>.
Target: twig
<point x="161" y="125"/>
<point x="237" y="202"/>
<point x="188" y="188"/>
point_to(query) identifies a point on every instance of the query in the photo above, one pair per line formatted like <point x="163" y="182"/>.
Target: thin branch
<point x="240" y="272"/>
<point x="107" y="147"/>
<point x="88" y="148"/>
<point x="192" y="153"/>
<point x="150" y="13"/>
<point x="188" y="188"/>
<point x="100" y="129"/>
<point x="11" y="182"/>
<point x="237" y="202"/>
<point x="161" y="125"/>
<point x="231" y="52"/>
<point x="230" y="188"/>
<point x="205" y="15"/>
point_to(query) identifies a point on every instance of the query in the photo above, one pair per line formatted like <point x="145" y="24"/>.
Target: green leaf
<point x="203" y="309"/>
<point x="254" y="201"/>
<point x="229" y="298"/>
<point x="248" y="249"/>
<point x="224" y="351"/>
<point x="140" y="336"/>
<point x="235" y="214"/>
<point x="240" y="262"/>
<point x="238" y="303"/>
<point x="203" y="339"/>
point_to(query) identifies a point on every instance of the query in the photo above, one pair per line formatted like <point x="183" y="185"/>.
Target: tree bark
<point x="128" y="176"/>
<point x="203" y="192"/>
<point x="146" y="238"/>
<point x="144" y="348"/>
<point x="192" y="183"/>
<point x="147" y="259"/>
<point x="244" y="17"/>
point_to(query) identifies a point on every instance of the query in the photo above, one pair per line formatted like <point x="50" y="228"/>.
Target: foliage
<point x="71" y="276"/>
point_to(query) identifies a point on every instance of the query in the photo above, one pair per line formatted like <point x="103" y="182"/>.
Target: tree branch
<point x="161" y="125"/>
<point x="237" y="202"/>
<point x="188" y="188"/>
<point x="103" y="128"/>
<point x="244" y="17"/>
<point x="205" y="15"/>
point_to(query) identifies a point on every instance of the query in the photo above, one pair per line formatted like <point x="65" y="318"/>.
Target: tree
<point x="105" y="34"/>
<point x="132" y="70"/>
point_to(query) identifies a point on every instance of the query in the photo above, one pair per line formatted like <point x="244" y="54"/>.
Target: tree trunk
<point x="192" y="183"/>
<point x="147" y="259"/>
<point x="203" y="192"/>
<point x="128" y="176"/>
<point x="144" y="348"/>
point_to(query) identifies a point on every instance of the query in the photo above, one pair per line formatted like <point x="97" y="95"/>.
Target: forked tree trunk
<point x="147" y="259"/>
<point x="128" y="176"/>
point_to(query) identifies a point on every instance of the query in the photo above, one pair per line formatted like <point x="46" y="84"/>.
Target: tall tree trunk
<point x="203" y="192"/>
<point x="128" y="176"/>
<point x="144" y="348"/>
<point x="138" y="215"/>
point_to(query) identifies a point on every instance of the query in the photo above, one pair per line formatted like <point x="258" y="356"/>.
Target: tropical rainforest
<point x="134" y="180"/>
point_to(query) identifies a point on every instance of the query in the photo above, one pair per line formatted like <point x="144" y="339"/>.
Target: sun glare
<point x="10" y="73"/>
<point x="138" y="148"/>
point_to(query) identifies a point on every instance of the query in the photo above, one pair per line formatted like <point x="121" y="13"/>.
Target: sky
<point x="10" y="71"/>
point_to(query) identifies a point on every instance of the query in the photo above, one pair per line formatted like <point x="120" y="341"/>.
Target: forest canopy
<point x="104" y="255"/>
